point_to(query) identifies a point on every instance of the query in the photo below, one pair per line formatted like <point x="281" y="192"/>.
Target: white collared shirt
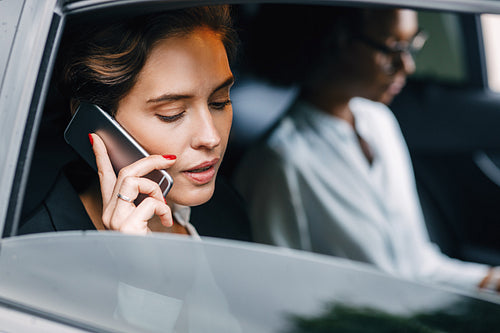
<point x="310" y="187"/>
<point x="182" y="214"/>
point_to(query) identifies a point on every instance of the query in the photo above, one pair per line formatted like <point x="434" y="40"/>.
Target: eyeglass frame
<point x="410" y="48"/>
<point x="391" y="52"/>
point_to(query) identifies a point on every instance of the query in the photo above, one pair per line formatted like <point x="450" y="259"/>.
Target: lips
<point x="202" y="173"/>
<point x="396" y="87"/>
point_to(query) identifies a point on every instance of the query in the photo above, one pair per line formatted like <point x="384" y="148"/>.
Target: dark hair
<point x="102" y="65"/>
<point x="293" y="43"/>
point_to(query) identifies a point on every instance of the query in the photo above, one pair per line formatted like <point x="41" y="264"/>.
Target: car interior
<point x="448" y="114"/>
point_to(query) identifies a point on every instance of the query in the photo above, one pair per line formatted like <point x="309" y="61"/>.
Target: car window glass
<point x="217" y="286"/>
<point x="442" y="58"/>
<point x="490" y="28"/>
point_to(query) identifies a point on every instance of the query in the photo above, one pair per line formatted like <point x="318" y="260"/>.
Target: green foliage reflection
<point x="470" y="316"/>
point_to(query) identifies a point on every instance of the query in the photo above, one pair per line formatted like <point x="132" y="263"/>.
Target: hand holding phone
<point x="112" y="150"/>
<point x="118" y="211"/>
<point x="122" y="148"/>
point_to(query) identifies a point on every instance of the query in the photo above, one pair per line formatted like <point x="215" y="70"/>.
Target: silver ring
<point x="124" y="197"/>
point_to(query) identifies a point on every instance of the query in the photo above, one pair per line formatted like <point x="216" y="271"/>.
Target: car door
<point x="51" y="276"/>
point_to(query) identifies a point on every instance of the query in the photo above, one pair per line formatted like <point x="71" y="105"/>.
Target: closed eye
<point x="220" y="105"/>
<point x="171" y="119"/>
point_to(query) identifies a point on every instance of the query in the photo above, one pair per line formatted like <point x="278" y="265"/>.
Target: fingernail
<point x="169" y="157"/>
<point x="91" y="140"/>
<point x="165" y="200"/>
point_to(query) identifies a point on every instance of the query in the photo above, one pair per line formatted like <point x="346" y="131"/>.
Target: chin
<point x="385" y="98"/>
<point x="191" y="195"/>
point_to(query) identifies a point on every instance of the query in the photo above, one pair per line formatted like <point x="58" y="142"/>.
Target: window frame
<point x="23" y="98"/>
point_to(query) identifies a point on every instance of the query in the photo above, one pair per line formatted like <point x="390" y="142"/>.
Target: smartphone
<point x="122" y="148"/>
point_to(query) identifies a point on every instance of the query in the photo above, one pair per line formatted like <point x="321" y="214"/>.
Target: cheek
<point x="373" y="66"/>
<point x="161" y="139"/>
<point x="361" y="70"/>
<point x="171" y="142"/>
<point x="225" y="122"/>
<point x="374" y="76"/>
<point x="382" y="64"/>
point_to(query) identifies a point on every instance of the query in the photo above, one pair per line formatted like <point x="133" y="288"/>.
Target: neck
<point x="330" y="100"/>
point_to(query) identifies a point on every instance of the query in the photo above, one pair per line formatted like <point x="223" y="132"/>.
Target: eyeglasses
<point x="393" y="53"/>
<point x="412" y="47"/>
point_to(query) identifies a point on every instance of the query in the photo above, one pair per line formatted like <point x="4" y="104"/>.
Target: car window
<point x="490" y="25"/>
<point x="136" y="284"/>
<point x="103" y="281"/>
<point x="442" y="58"/>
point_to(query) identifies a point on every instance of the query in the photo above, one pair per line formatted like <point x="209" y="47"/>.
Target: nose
<point x="404" y="61"/>
<point x="205" y="133"/>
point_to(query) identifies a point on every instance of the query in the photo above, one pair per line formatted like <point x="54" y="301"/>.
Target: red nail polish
<point x="91" y="140"/>
<point x="165" y="200"/>
<point x="169" y="157"/>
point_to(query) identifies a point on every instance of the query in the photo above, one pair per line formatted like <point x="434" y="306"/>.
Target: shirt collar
<point x="323" y="121"/>
<point x="182" y="215"/>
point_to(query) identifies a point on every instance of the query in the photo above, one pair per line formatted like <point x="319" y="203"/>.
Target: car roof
<point x="467" y="6"/>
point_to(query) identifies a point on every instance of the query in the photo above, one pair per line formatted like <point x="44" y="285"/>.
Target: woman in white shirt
<point x="334" y="176"/>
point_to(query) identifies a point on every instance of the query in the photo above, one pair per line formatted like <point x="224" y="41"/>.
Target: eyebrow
<point x="176" y="97"/>
<point x="229" y="82"/>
